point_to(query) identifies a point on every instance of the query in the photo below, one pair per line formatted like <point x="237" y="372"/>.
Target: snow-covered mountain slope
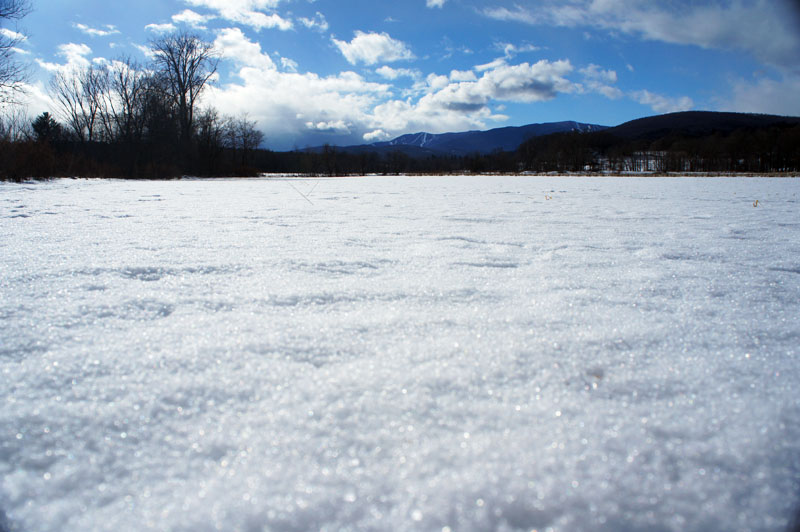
<point x="465" y="143"/>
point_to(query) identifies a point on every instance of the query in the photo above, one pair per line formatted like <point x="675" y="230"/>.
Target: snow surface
<point x="460" y="353"/>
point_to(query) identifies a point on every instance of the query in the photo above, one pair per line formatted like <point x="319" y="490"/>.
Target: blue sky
<point x="356" y="71"/>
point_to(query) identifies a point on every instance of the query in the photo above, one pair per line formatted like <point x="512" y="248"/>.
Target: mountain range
<point x="467" y="142"/>
<point x="483" y="142"/>
<point x="688" y="123"/>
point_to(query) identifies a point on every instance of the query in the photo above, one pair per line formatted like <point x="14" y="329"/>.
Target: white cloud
<point x="238" y="5"/>
<point x="289" y="65"/>
<point x="290" y="106"/>
<point x="333" y="126"/>
<point x="192" y="19"/>
<point x="500" y="61"/>
<point x="95" y="32"/>
<point x="260" y="21"/>
<point x="448" y="105"/>
<point x="161" y="28"/>
<point x="346" y="108"/>
<point x="767" y="29"/>
<point x="437" y="82"/>
<point x="75" y="54"/>
<point x="12" y="35"/>
<point x="35" y="99"/>
<point x="612" y="93"/>
<point x="371" y="48"/>
<point x="248" y="12"/>
<point x="662" y="104"/>
<point x="234" y="45"/>
<point x="463" y="75"/>
<point x="318" y="23"/>
<point x="601" y="81"/>
<point x="524" y="83"/>
<point x="395" y="73"/>
<point x="510" y="50"/>
<point x="435" y="3"/>
<point x="766" y="95"/>
<point x="596" y="72"/>
<point x="146" y="50"/>
<point x="376" y="136"/>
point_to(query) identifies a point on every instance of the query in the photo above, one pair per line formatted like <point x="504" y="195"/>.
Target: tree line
<point x="770" y="149"/>
<point x="131" y="120"/>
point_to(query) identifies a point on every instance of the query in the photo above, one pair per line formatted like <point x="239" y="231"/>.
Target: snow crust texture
<point x="449" y="354"/>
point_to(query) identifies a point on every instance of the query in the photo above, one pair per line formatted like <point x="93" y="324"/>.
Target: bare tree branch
<point x="12" y="73"/>
<point x="81" y="93"/>
<point x="187" y="63"/>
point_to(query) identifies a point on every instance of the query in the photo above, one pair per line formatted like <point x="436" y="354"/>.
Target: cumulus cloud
<point x="289" y="64"/>
<point x="161" y="28"/>
<point x="376" y="136"/>
<point x="463" y="75"/>
<point x="601" y="81"/>
<point x="318" y="23"/>
<point x="234" y="45"/>
<point x="258" y="14"/>
<point x="192" y="19"/>
<point x="662" y="104"/>
<point x="510" y="50"/>
<point x="596" y="72"/>
<point x="333" y="126"/>
<point x="340" y="108"/>
<point x="766" y="95"/>
<point x="288" y="105"/>
<point x="12" y="35"/>
<point x="523" y="83"/>
<point x="145" y="50"/>
<point x="395" y="73"/>
<point x="371" y="48"/>
<point x="437" y="82"/>
<point x="500" y="61"/>
<point x="96" y="32"/>
<point x="435" y="3"/>
<point x="75" y="55"/>
<point x="767" y="29"/>
<point x="33" y="99"/>
<point x="347" y="108"/>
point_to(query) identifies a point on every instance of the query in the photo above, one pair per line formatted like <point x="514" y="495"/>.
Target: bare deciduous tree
<point x="15" y="125"/>
<point x="242" y="138"/>
<point x="123" y="101"/>
<point x="187" y="63"/>
<point x="81" y="93"/>
<point x="12" y="73"/>
<point x="211" y="130"/>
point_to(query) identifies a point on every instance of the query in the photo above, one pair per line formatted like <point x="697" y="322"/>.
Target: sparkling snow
<point x="384" y="353"/>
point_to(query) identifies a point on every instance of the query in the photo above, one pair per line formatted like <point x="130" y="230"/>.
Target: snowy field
<point x="390" y="353"/>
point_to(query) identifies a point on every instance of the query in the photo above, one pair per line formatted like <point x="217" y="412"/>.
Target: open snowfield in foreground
<point x="459" y="353"/>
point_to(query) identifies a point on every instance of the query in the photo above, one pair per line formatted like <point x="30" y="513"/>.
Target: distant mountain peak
<point x="504" y="138"/>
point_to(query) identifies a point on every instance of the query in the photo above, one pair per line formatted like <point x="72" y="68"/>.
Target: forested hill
<point x="695" y="124"/>
<point x="696" y="141"/>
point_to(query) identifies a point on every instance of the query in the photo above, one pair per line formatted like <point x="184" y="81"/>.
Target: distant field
<point x="400" y="353"/>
